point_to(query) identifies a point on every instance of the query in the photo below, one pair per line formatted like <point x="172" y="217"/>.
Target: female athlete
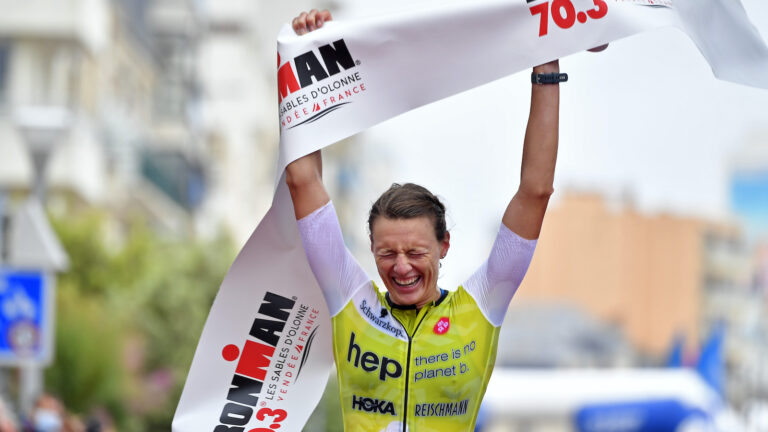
<point x="418" y="357"/>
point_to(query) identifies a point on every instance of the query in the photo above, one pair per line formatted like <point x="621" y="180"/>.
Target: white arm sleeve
<point x="336" y="270"/>
<point x="495" y="282"/>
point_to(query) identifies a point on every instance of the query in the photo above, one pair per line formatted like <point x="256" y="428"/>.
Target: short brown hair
<point x="408" y="201"/>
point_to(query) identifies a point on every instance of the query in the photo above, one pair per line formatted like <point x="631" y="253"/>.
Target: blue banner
<point x="662" y="415"/>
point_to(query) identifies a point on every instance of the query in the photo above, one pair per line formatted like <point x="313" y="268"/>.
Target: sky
<point x="645" y="119"/>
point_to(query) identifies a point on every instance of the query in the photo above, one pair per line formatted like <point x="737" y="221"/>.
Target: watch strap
<point x="548" y="78"/>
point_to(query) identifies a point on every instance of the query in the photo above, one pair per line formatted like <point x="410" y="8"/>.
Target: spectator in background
<point x="47" y="415"/>
<point x="73" y="423"/>
<point x="100" y="421"/>
<point x="7" y="419"/>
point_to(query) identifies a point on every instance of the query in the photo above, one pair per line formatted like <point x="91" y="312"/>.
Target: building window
<point x="182" y="179"/>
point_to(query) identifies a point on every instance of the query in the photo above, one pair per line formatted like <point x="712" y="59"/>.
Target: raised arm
<point x="304" y="176"/>
<point x="525" y="212"/>
<point x="496" y="281"/>
<point x="337" y="273"/>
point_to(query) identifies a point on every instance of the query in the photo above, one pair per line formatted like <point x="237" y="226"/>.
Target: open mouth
<point x="408" y="282"/>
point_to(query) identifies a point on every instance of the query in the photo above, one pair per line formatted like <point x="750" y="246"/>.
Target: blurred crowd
<point x="50" y="415"/>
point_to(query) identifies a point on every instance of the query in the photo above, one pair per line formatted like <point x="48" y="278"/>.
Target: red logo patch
<point x="442" y="326"/>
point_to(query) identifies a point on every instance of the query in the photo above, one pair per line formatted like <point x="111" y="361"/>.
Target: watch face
<point x="24" y="338"/>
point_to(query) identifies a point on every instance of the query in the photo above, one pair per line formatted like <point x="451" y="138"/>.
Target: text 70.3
<point x="564" y="13"/>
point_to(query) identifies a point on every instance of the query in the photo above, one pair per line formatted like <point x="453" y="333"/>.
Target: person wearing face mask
<point x="418" y="357"/>
<point x="47" y="415"/>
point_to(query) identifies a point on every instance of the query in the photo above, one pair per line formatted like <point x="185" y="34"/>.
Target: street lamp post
<point x="32" y="244"/>
<point x="42" y="127"/>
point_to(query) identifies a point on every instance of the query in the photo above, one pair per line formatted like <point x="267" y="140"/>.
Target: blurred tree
<point x="129" y="314"/>
<point x="87" y="368"/>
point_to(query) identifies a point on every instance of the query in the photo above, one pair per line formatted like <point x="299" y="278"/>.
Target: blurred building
<point x="642" y="274"/>
<point x="560" y="335"/>
<point x="749" y="204"/>
<point x="655" y="279"/>
<point x="236" y="68"/>
<point x="175" y="161"/>
<point x="122" y="71"/>
<point x="237" y="63"/>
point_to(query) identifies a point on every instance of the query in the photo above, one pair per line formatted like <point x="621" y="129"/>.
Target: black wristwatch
<point x="548" y="78"/>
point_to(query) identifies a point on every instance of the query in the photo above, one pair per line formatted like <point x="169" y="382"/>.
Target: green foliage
<point x="139" y="288"/>
<point x="87" y="367"/>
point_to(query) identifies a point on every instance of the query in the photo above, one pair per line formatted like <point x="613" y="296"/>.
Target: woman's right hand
<point x="307" y="22"/>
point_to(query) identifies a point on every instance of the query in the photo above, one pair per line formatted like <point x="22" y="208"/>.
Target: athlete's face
<point x="407" y="254"/>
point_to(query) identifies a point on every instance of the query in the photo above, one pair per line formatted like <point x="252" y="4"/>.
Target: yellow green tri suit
<point x="403" y="369"/>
